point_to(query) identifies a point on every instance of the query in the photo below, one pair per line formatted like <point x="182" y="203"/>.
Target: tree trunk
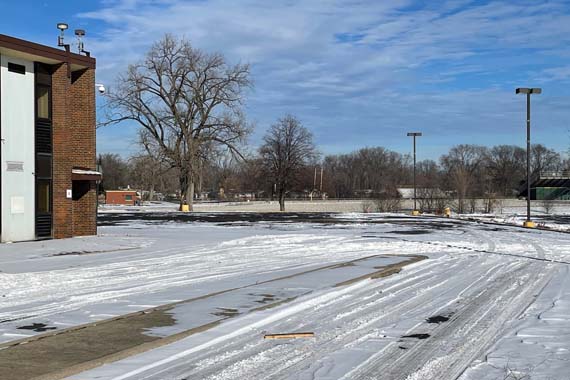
<point x="200" y="183"/>
<point x="183" y="189"/>
<point x="190" y="194"/>
<point x="151" y="193"/>
<point x="182" y="195"/>
<point x="282" y="200"/>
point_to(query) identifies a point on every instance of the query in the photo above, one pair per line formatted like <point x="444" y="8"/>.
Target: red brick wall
<point x="118" y="197"/>
<point x="73" y="107"/>
<point x="62" y="207"/>
<point x="82" y="151"/>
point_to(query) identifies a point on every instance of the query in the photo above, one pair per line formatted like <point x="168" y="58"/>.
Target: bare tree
<point x="463" y="165"/>
<point x="388" y="203"/>
<point x="146" y="173"/>
<point x="287" y="148"/>
<point x="376" y="171"/>
<point x="544" y="159"/>
<point x="430" y="197"/>
<point x="252" y="179"/>
<point x="506" y="167"/>
<point x="223" y="173"/>
<point x="115" y="170"/>
<point x="187" y="103"/>
<point x="548" y="205"/>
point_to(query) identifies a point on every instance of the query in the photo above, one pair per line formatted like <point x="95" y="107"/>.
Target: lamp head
<point x="62" y="26"/>
<point x="525" y="90"/>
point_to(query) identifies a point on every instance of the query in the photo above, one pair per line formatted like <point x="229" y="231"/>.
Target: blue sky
<point x="356" y="72"/>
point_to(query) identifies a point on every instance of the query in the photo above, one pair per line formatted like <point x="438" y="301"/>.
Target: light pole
<point x="414" y="135"/>
<point x="528" y="91"/>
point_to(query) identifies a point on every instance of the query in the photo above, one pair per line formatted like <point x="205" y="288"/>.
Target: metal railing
<point x="563" y="174"/>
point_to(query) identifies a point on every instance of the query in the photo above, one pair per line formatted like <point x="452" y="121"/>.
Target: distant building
<point x="122" y="197"/>
<point x="47" y="149"/>
<point x="406" y="192"/>
<point x="548" y="186"/>
<point x="363" y="193"/>
<point x="421" y="192"/>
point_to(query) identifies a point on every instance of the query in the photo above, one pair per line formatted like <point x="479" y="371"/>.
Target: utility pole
<point x="315" y="180"/>
<point x="414" y="135"/>
<point x="528" y="92"/>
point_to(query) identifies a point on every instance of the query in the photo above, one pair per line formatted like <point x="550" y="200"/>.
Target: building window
<point x="128" y="197"/>
<point x="15" y="68"/>
<point x="43" y="97"/>
<point x="43" y="191"/>
<point x="43" y="166"/>
<point x="43" y="76"/>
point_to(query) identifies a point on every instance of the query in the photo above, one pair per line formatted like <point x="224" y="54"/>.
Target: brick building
<point x="122" y="197"/>
<point x="47" y="151"/>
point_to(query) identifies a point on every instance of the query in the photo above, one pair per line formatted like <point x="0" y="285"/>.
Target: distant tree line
<point x="465" y="172"/>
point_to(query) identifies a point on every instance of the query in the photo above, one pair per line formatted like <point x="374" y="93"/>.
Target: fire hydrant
<point x="447" y="212"/>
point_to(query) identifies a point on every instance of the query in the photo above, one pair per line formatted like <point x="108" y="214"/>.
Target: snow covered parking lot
<point x="488" y="302"/>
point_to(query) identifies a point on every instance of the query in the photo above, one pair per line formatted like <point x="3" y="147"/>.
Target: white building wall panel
<point x="17" y="114"/>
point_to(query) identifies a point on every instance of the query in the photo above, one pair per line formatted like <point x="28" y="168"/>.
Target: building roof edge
<point x="36" y="49"/>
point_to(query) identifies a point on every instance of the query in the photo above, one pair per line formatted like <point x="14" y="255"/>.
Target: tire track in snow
<point x="452" y="346"/>
<point x="257" y="347"/>
<point x="540" y="251"/>
<point x="297" y="358"/>
<point x="478" y="290"/>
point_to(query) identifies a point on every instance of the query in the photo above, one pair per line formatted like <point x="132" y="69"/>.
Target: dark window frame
<point x="43" y="79"/>
<point x="50" y="156"/>
<point x="50" y="102"/>
<point x="16" y="68"/>
<point x="49" y="183"/>
<point x="42" y="69"/>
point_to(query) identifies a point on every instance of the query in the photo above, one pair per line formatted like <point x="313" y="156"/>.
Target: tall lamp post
<point x="528" y="91"/>
<point x="414" y="135"/>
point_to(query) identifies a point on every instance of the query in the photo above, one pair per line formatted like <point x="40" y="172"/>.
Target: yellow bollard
<point x="529" y="224"/>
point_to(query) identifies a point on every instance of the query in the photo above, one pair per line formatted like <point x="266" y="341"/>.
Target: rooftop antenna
<point x="80" y="33"/>
<point x="62" y="28"/>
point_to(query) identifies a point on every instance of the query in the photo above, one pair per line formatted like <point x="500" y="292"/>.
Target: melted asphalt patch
<point x="438" y="319"/>
<point x="417" y="336"/>
<point x="37" y="327"/>
<point x="410" y="232"/>
<point x="242" y="219"/>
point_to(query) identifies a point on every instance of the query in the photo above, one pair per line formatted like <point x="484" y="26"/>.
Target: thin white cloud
<point x="561" y="73"/>
<point x="333" y="61"/>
